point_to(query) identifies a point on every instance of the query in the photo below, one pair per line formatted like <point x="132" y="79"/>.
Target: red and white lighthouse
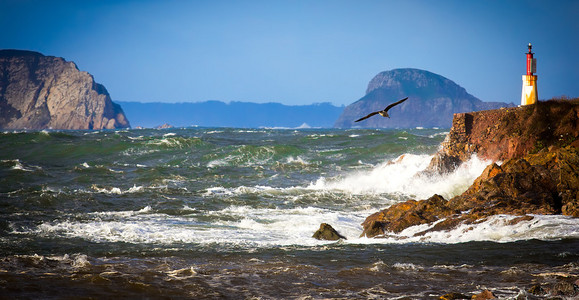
<point x="529" y="94"/>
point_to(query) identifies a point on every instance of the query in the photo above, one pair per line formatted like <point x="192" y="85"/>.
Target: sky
<point x="299" y="52"/>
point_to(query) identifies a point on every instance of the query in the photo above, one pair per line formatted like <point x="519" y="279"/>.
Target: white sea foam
<point x="116" y="190"/>
<point x="495" y="228"/>
<point x="400" y="176"/>
<point x="272" y="227"/>
<point x="438" y="134"/>
<point x="297" y="160"/>
<point x="169" y="142"/>
<point x="407" y="266"/>
<point x="18" y="165"/>
<point x="234" y="225"/>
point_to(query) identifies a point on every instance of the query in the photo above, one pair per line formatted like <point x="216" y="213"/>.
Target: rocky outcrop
<point x="432" y="101"/>
<point x="537" y="177"/>
<point x="328" y="233"/>
<point x="508" y="133"/>
<point x="46" y="92"/>
<point x="544" y="183"/>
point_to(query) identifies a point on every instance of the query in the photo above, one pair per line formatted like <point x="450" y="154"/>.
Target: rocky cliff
<point x="539" y="147"/>
<point x="508" y="133"/>
<point x="46" y="92"/>
<point x="433" y="99"/>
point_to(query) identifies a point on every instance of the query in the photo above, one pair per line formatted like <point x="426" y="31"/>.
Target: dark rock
<point x="537" y="289"/>
<point x="433" y="99"/>
<point x="46" y="92"/>
<point x="328" y="233"/>
<point x="564" y="288"/>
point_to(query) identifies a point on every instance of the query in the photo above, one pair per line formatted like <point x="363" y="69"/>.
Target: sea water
<point x="230" y="213"/>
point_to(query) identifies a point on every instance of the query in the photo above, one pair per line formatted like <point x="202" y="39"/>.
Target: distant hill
<point x="433" y="99"/>
<point x="234" y="114"/>
<point x="47" y="92"/>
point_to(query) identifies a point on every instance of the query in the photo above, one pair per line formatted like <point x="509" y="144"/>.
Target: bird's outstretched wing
<point x="366" y="117"/>
<point x="385" y="110"/>
<point x="394" y="104"/>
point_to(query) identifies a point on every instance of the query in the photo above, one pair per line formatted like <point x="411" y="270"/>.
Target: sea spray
<point x="402" y="176"/>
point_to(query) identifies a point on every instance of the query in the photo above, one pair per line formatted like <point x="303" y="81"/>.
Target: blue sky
<point x="299" y="52"/>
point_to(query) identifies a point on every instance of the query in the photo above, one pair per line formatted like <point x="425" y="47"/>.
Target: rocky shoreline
<point x="539" y="174"/>
<point x="535" y="171"/>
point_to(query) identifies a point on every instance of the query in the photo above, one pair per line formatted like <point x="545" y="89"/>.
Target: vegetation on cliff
<point x="540" y="174"/>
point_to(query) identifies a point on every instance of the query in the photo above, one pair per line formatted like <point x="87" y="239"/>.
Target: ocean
<point x="229" y="213"/>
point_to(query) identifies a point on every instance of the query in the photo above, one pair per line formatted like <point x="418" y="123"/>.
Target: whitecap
<point x="116" y="190"/>
<point x="18" y="165"/>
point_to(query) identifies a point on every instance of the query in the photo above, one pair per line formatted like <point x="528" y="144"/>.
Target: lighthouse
<point x="529" y="94"/>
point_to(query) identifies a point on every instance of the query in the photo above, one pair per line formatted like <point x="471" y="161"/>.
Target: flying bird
<point x="383" y="113"/>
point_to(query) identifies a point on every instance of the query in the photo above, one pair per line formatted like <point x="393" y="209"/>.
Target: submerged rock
<point x="328" y="233"/>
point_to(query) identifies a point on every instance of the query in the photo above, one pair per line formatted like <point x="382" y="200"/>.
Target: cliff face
<point x="539" y="145"/>
<point x="508" y="133"/>
<point x="46" y="92"/>
<point x="433" y="99"/>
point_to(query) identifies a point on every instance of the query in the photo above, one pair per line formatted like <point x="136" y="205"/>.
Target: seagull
<point x="383" y="113"/>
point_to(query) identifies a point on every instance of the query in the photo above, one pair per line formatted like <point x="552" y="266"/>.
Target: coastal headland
<point x="534" y="151"/>
<point x="46" y="92"/>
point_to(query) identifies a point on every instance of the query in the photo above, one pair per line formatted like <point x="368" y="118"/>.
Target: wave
<point x="116" y="190"/>
<point x="17" y="165"/>
<point x="263" y="227"/>
<point x="249" y="156"/>
<point x="402" y="176"/>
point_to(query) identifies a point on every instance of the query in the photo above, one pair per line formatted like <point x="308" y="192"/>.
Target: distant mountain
<point x="47" y="92"/>
<point x="433" y="99"/>
<point x="234" y="114"/>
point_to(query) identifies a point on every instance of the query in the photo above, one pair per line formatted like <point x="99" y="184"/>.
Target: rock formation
<point x="328" y="233"/>
<point x="507" y="133"/>
<point x="540" y="174"/>
<point x="433" y="99"/>
<point x="46" y="92"/>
